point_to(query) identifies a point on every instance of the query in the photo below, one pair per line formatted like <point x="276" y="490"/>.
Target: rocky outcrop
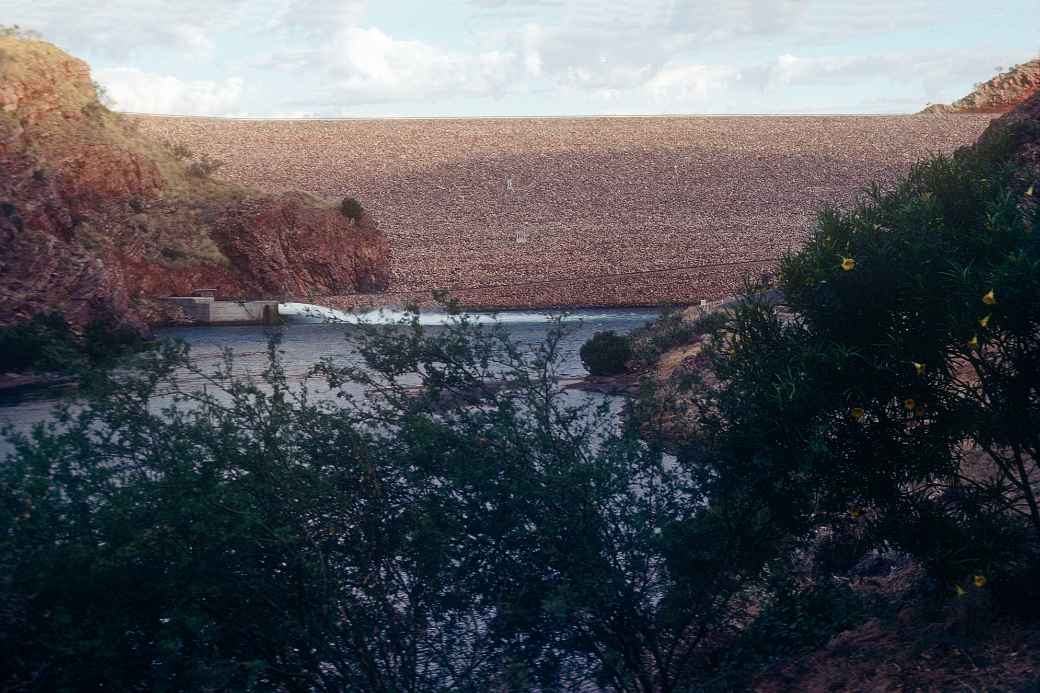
<point x="1024" y="121"/>
<point x="42" y="271"/>
<point x="98" y="221"/>
<point x="999" y="95"/>
<point x="308" y="254"/>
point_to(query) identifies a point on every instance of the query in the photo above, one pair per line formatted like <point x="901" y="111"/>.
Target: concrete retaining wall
<point x="207" y="310"/>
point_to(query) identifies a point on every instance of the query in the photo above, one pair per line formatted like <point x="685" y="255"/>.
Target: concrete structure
<point x="203" y="308"/>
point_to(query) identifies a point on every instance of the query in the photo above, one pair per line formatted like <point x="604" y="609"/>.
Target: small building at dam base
<point x="203" y="308"/>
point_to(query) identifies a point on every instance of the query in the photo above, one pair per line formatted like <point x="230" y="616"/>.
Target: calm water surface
<point x="304" y="344"/>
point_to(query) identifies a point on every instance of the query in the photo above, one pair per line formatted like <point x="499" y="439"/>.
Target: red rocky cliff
<point x="1000" y="94"/>
<point x="98" y="221"/>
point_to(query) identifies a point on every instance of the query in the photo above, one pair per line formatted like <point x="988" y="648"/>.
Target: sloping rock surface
<point x="1000" y="94"/>
<point x="97" y="220"/>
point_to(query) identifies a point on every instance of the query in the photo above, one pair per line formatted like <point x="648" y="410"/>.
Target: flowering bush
<point x="904" y="383"/>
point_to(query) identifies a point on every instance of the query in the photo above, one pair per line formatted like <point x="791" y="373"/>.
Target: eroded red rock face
<point x="287" y="246"/>
<point x="276" y="247"/>
<point x="98" y="222"/>
<point x="96" y="174"/>
<point x="43" y="265"/>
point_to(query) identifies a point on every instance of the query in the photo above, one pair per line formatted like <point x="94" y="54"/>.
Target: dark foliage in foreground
<point x="459" y="537"/>
<point x="900" y="384"/>
<point x="452" y="521"/>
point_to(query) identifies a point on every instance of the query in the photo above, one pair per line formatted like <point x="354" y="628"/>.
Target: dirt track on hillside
<point x="540" y="208"/>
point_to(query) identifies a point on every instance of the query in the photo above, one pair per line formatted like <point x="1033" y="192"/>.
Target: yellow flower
<point x="847" y="263"/>
<point x="909" y="404"/>
<point x="985" y="321"/>
<point x="858" y="413"/>
<point x="855" y="514"/>
<point x="1029" y="193"/>
<point x="980" y="581"/>
<point x="989" y="298"/>
<point x="974" y="342"/>
<point x="960" y="590"/>
<point x="919" y="367"/>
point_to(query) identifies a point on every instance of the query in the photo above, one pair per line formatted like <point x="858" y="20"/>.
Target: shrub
<point x="45" y="342"/>
<point x="606" y="353"/>
<point x="913" y="339"/>
<point x="18" y="32"/>
<point x="94" y="111"/>
<point x="672" y="329"/>
<point x="351" y="209"/>
<point x="180" y="151"/>
<point x="204" y="166"/>
<point x="793" y="620"/>
<point x="458" y="537"/>
<point x="103" y="97"/>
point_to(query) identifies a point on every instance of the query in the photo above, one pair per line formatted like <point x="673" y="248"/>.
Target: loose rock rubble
<point x="542" y="208"/>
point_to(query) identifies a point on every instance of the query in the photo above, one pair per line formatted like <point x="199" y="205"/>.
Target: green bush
<point x="458" y="537"/>
<point x="905" y="386"/>
<point x="606" y="353"/>
<point x="46" y="342"/>
<point x="793" y="620"/>
<point x="668" y="331"/>
<point x="179" y="150"/>
<point x="351" y="209"/>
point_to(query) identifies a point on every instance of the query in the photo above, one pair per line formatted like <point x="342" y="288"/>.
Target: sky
<point x="408" y="58"/>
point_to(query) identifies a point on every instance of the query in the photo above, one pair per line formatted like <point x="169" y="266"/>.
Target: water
<point x="310" y="337"/>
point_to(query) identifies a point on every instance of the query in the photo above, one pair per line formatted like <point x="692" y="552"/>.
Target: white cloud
<point x="931" y="71"/>
<point x="690" y="83"/>
<point x="120" y="27"/>
<point x="369" y="65"/>
<point x="538" y="56"/>
<point x="143" y="92"/>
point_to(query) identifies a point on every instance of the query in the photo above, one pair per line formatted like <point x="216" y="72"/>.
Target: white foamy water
<point x="308" y="313"/>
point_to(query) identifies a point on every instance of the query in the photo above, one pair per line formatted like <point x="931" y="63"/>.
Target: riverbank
<point x="11" y="382"/>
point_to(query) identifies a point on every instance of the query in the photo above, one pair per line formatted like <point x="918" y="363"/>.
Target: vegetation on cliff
<point x="1000" y="94"/>
<point x="102" y="219"/>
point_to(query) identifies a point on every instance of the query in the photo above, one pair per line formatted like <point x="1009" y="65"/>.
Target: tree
<point x="606" y="353"/>
<point x="352" y="209"/>
<point x="900" y="382"/>
<point x="476" y="533"/>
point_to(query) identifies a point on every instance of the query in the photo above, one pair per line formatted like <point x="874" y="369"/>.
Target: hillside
<point x="998" y="95"/>
<point x="542" y="208"/>
<point x="98" y="220"/>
